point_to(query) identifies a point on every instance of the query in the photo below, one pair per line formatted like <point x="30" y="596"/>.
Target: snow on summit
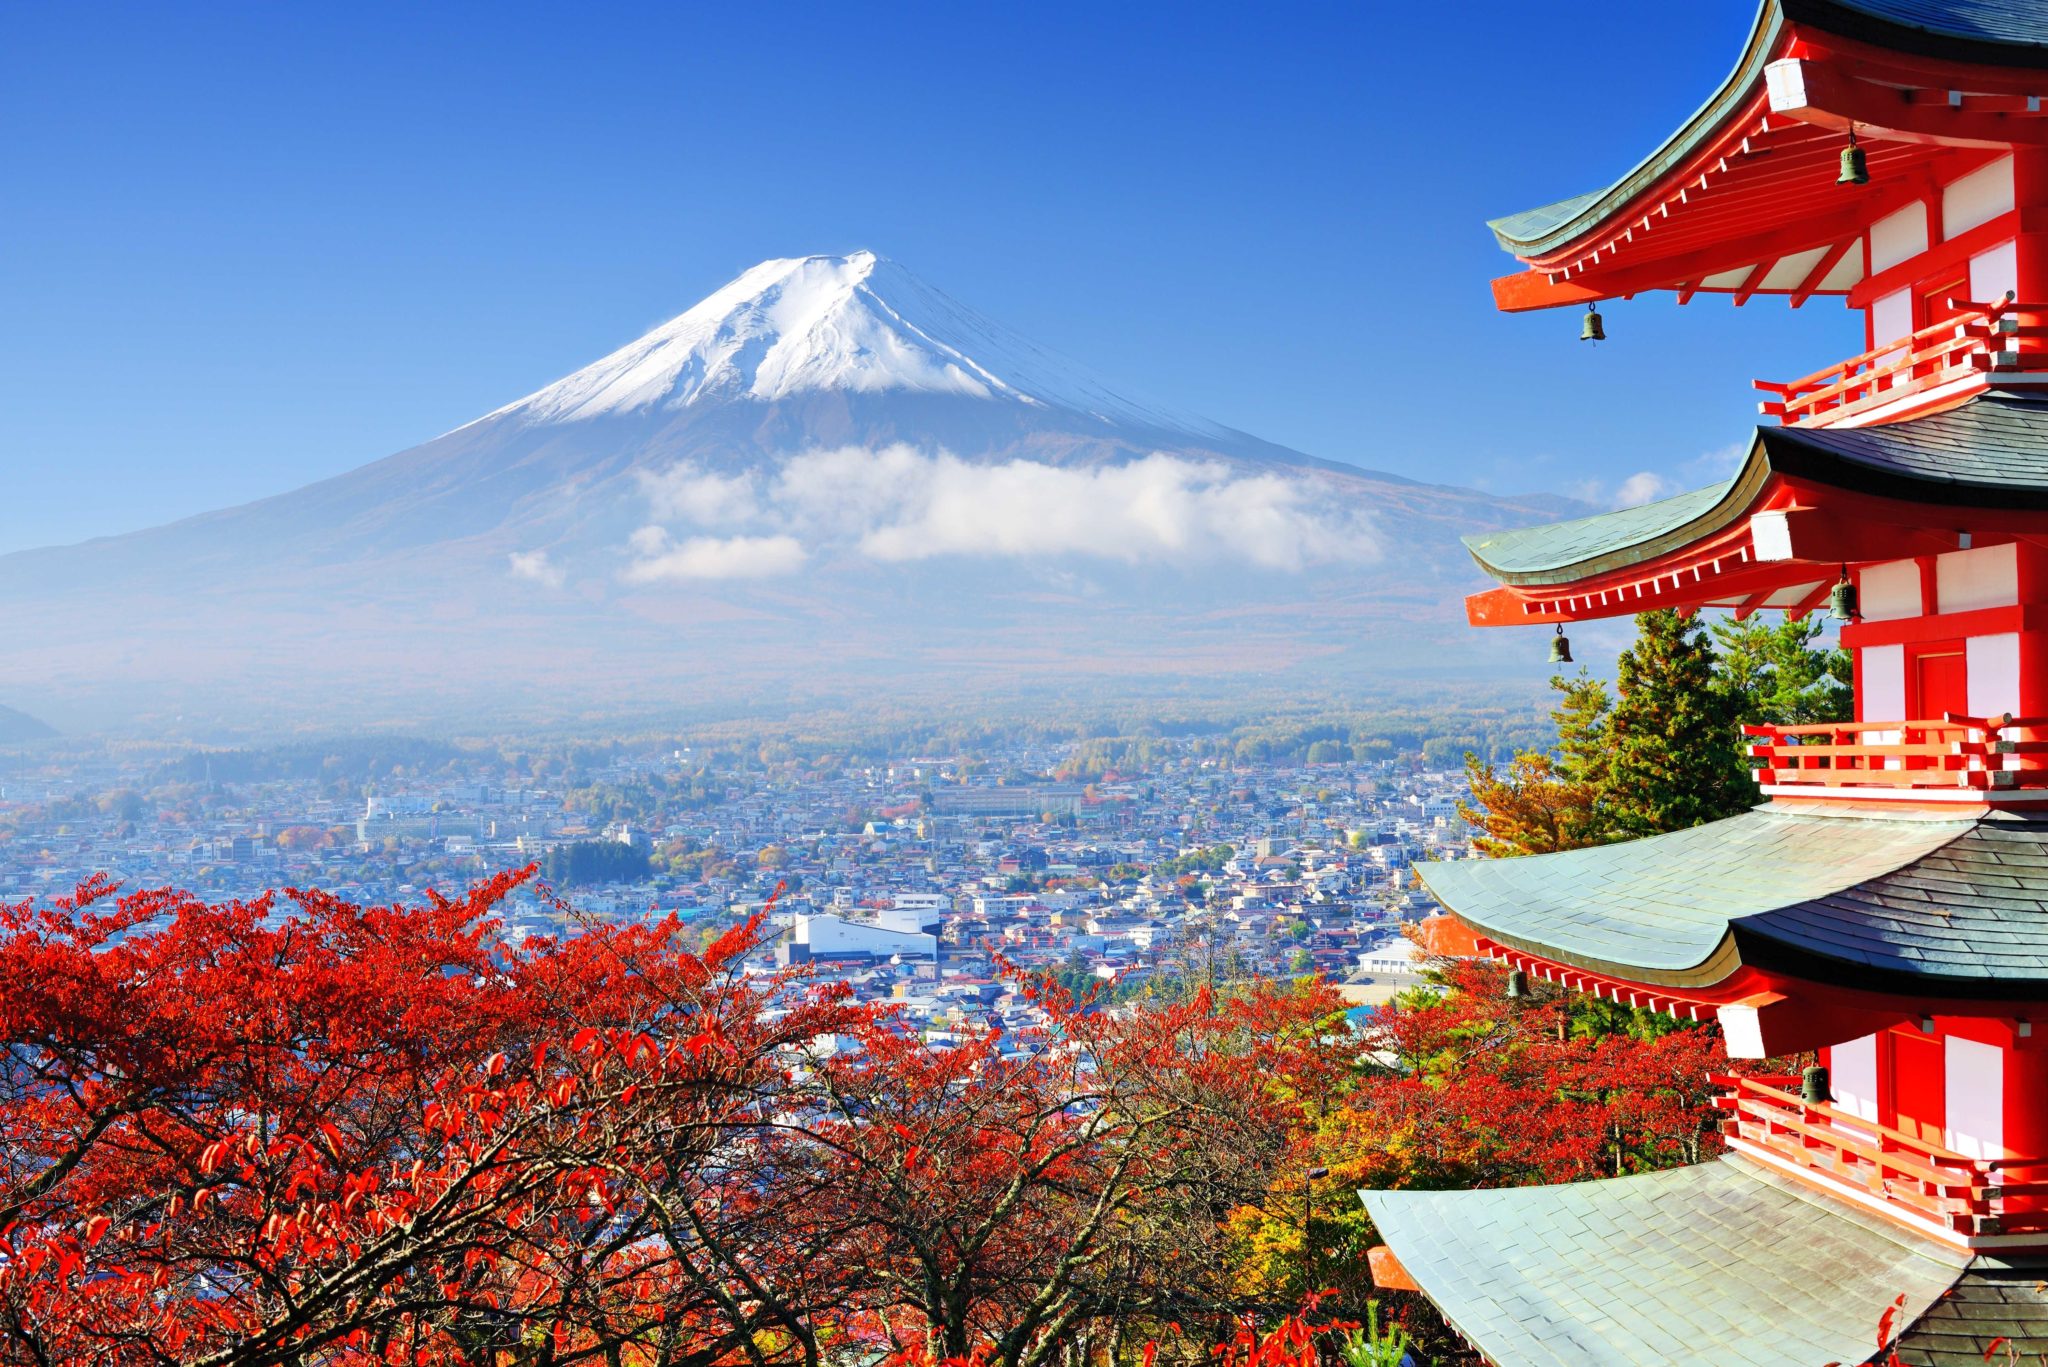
<point x="856" y="323"/>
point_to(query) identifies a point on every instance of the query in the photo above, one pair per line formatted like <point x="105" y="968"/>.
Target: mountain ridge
<point x="822" y="440"/>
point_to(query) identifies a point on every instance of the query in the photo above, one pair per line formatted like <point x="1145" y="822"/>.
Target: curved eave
<point x="1567" y="552"/>
<point x="1649" y="954"/>
<point x="1536" y="232"/>
<point x="1989" y="453"/>
<point x="1840" y="899"/>
<point x="1709" y="208"/>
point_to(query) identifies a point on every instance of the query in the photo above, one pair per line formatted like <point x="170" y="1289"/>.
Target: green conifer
<point x="1673" y="754"/>
<point x="1581" y="718"/>
<point x="1774" y="672"/>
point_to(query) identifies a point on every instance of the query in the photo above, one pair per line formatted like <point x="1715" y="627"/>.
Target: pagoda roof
<point x="1999" y="32"/>
<point x="1701" y="1266"/>
<point x="2013" y="32"/>
<point x="1990" y="1302"/>
<point x="1990" y="451"/>
<point x="1713" y="206"/>
<point x="1902" y="903"/>
<point x="1535" y="232"/>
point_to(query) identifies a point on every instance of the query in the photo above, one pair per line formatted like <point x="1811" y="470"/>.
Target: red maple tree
<point x="241" y="1133"/>
<point x="294" y="1130"/>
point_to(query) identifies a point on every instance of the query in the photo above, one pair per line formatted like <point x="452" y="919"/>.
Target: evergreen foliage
<point x="1776" y="673"/>
<point x="1663" y="751"/>
<point x="595" y="861"/>
<point x="1671" y="738"/>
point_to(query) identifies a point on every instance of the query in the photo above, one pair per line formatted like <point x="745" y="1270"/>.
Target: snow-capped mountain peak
<point x="858" y="323"/>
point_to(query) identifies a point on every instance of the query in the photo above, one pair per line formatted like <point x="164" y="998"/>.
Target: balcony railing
<point x="1979" y="340"/>
<point x="1953" y="752"/>
<point x="1969" y="1196"/>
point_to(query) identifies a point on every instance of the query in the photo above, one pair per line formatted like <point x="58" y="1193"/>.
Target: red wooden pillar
<point x="1919" y="1101"/>
<point x="2031" y="561"/>
<point x="2026" y="1111"/>
<point x="2030" y="248"/>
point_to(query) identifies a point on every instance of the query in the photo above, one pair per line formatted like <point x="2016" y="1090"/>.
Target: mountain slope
<point x="824" y="462"/>
<point x="16" y="727"/>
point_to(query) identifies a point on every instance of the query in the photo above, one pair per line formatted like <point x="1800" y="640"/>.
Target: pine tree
<point x="1666" y="755"/>
<point x="1673" y="756"/>
<point x="1545" y="803"/>
<point x="1775" y="673"/>
<point x="1581" y="718"/>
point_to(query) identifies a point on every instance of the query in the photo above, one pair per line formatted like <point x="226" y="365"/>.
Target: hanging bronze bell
<point x="1842" y="599"/>
<point x="1813" y="1086"/>
<point x="1518" y="984"/>
<point x="1591" y="330"/>
<point x="1855" y="170"/>
<point x="1560" y="648"/>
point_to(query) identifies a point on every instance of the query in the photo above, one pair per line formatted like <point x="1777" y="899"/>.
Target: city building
<point x="1886" y="907"/>
<point x="1016" y="802"/>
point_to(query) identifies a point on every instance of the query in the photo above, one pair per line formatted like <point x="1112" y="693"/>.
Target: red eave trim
<point x="1687" y="1003"/>
<point x="1683" y="261"/>
<point x="1914" y="71"/>
<point x="1526" y="291"/>
<point x="1748" y="985"/>
<point x="1617" y="227"/>
<point x="1828" y="527"/>
<point x="1755" y="190"/>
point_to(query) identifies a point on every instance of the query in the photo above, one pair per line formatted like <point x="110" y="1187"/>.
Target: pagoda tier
<point x="1742" y="199"/>
<point x="1910" y="951"/>
<point x="1706" y="1266"/>
<point x="1898" y="914"/>
<point x="1806" y="502"/>
<point x="1887" y="911"/>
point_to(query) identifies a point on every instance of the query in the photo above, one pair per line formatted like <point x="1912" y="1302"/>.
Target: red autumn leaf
<point x="1888" y="1319"/>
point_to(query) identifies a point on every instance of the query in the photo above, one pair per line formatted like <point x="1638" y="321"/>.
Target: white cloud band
<point x="899" y="504"/>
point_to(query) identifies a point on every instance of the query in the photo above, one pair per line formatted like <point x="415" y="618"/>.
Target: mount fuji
<point x="825" y="476"/>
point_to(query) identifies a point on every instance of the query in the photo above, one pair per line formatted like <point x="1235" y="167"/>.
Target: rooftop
<point x="1991" y="451"/>
<point x="1933" y="907"/>
<point x="1719" y="1264"/>
<point x="1740" y="198"/>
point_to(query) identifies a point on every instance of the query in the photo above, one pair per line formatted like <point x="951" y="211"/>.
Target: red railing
<point x="1953" y="752"/>
<point x="1971" y="1196"/>
<point x="1979" y="339"/>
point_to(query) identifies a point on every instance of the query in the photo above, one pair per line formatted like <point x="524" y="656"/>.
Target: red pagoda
<point x="1886" y="904"/>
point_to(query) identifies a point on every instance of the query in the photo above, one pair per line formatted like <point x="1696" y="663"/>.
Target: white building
<point x="1398" y="955"/>
<point x="894" y="932"/>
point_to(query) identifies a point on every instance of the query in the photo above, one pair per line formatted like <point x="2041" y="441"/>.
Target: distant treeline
<point x="589" y="862"/>
<point x="362" y="759"/>
<point x="658" y="779"/>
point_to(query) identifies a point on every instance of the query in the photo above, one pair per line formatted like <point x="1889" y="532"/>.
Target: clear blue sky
<point x="245" y="247"/>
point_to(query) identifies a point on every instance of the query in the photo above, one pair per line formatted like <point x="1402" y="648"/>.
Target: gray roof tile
<point x="1749" y="1268"/>
<point x="1959" y="903"/>
<point x="1993" y="447"/>
<point x="2019" y="22"/>
<point x="1990" y="1301"/>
